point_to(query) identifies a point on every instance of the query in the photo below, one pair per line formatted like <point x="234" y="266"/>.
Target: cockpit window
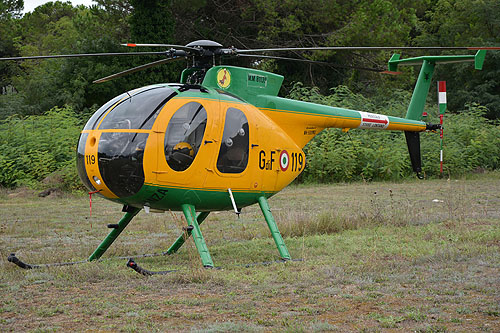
<point x="138" y="111"/>
<point x="120" y="158"/>
<point x="94" y="120"/>
<point x="184" y="135"/>
<point x="233" y="154"/>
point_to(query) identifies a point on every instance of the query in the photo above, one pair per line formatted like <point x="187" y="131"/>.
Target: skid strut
<point x="182" y="238"/>
<point x="273" y="227"/>
<point x="199" y="241"/>
<point x="117" y="229"/>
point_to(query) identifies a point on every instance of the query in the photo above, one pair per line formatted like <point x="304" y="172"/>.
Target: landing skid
<point x="132" y="264"/>
<point x="15" y="260"/>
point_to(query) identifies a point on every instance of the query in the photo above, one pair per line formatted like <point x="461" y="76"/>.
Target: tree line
<point x="60" y="91"/>
<point x="34" y="87"/>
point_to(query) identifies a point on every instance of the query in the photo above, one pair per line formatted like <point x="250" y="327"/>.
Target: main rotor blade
<point x="135" y="69"/>
<point x="84" y="55"/>
<point x="282" y="58"/>
<point x="312" y="62"/>
<point x="178" y="47"/>
<point x="368" y="48"/>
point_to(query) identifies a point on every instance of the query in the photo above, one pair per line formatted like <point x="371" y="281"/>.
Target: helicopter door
<point x="232" y="165"/>
<point x="181" y="150"/>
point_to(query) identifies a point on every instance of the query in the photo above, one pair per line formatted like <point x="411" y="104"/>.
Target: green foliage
<point x="33" y="87"/>
<point x="466" y="23"/>
<point x="36" y="146"/>
<point x="472" y="143"/>
<point x="9" y="11"/>
<point x="57" y="27"/>
<point x="10" y="8"/>
<point x="151" y="21"/>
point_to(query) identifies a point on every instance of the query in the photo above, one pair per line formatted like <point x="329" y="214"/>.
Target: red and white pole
<point x="442" y="109"/>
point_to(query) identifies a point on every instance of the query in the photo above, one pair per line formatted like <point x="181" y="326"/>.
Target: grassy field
<point x="414" y="256"/>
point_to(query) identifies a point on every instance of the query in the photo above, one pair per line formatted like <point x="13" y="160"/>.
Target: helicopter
<point x="221" y="138"/>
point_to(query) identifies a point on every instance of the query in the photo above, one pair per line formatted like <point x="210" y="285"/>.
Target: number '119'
<point x="297" y="162"/>
<point x="90" y="159"/>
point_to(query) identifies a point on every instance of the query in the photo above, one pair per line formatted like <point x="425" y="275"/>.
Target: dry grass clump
<point x="298" y="224"/>
<point x="382" y="209"/>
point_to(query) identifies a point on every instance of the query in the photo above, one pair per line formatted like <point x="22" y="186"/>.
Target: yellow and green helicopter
<point x="221" y="139"/>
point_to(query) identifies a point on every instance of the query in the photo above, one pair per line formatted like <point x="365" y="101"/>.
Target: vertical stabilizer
<point x="417" y="103"/>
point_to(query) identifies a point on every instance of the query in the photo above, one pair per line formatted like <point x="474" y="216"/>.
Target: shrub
<point x="34" y="147"/>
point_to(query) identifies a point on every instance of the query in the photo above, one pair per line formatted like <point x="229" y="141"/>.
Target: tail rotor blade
<point x="413" y="142"/>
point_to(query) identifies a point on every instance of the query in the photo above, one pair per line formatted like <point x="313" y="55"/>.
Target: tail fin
<point x="413" y="142"/>
<point x="417" y="103"/>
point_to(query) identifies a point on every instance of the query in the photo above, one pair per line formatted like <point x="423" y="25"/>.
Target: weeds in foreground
<point x="452" y="203"/>
<point x="383" y="209"/>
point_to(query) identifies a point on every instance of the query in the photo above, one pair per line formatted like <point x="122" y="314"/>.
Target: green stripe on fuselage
<point x="171" y="198"/>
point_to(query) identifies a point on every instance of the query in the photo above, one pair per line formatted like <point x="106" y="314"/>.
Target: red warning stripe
<point x="484" y="48"/>
<point x="390" y="72"/>
<point x="131" y="45"/>
<point x="378" y="121"/>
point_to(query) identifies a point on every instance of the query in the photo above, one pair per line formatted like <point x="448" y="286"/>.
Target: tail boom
<point x="302" y="120"/>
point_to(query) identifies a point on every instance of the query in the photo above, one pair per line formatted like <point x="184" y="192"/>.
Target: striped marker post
<point x="442" y="109"/>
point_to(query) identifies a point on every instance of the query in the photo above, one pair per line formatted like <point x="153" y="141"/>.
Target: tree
<point x="466" y="23"/>
<point x="10" y="11"/>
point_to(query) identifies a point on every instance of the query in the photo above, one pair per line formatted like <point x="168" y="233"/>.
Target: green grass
<point x="376" y="256"/>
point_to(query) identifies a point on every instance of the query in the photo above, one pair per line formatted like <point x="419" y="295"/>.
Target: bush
<point x="36" y="146"/>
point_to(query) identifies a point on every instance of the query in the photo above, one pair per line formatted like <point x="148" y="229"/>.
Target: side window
<point x="184" y="135"/>
<point x="233" y="154"/>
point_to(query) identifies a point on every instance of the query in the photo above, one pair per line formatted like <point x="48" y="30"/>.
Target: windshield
<point x="138" y="111"/>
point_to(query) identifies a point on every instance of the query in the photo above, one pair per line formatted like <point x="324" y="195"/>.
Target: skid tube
<point x="132" y="264"/>
<point x="18" y="262"/>
<point x="193" y="226"/>
<point x="15" y="260"/>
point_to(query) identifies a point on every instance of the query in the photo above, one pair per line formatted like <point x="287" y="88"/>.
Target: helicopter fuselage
<point x="234" y="146"/>
<point x="166" y="145"/>
<point x="219" y="140"/>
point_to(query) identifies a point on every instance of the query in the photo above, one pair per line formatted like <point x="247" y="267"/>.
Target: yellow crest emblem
<point x="223" y="78"/>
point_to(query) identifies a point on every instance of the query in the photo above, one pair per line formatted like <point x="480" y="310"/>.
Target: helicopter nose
<point x="118" y="164"/>
<point x="80" y="162"/>
<point x="120" y="159"/>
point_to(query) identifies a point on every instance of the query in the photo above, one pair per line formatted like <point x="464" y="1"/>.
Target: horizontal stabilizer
<point x="478" y="60"/>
